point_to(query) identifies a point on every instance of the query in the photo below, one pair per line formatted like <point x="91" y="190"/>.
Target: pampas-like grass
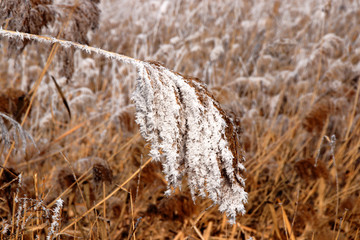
<point x="191" y="135"/>
<point x="189" y="132"/>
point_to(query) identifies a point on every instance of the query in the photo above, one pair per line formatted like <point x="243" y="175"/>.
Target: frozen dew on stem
<point x="191" y="135"/>
<point x="56" y="218"/>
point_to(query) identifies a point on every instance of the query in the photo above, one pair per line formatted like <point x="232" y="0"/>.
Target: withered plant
<point x="285" y="73"/>
<point x="70" y="21"/>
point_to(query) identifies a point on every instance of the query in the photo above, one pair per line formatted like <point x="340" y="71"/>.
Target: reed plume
<point x="189" y="132"/>
<point x="191" y="135"/>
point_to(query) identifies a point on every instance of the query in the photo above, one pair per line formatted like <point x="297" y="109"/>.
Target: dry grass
<point x="286" y="72"/>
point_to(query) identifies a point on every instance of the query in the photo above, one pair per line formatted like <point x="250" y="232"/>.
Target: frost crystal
<point x="55" y="219"/>
<point x="191" y="135"/>
<point x="5" y="227"/>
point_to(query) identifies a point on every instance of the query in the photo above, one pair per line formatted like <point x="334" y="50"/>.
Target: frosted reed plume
<point x="189" y="132"/>
<point x="8" y="135"/>
<point x="191" y="135"/>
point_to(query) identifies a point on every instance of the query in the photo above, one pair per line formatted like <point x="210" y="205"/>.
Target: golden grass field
<point x="287" y="72"/>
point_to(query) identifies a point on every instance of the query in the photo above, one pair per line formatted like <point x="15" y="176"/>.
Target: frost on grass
<point x="191" y="135"/>
<point x="56" y="217"/>
<point x="189" y="132"/>
<point x="9" y="129"/>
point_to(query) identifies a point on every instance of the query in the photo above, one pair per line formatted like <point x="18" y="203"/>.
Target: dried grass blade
<point x="62" y="96"/>
<point x="107" y="198"/>
<point x="287" y="223"/>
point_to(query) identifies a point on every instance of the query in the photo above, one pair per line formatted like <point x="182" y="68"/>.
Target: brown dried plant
<point x="26" y="16"/>
<point x="14" y="102"/>
<point x="319" y="114"/>
<point x="70" y="21"/>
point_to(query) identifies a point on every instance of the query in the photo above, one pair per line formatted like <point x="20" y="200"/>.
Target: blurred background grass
<point x="286" y="71"/>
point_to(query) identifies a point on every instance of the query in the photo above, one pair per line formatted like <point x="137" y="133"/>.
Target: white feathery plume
<point x="189" y="132"/>
<point x="190" y="135"/>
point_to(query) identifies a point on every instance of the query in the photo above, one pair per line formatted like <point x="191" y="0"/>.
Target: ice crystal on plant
<point x="191" y="135"/>
<point x="55" y="219"/>
<point x="8" y="135"/>
<point x="5" y="227"/>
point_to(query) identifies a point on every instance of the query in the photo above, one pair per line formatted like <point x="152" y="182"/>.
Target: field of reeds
<point x="78" y="144"/>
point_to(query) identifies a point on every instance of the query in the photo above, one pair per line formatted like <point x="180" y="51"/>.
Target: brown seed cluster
<point x="36" y="16"/>
<point x="14" y="102"/>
